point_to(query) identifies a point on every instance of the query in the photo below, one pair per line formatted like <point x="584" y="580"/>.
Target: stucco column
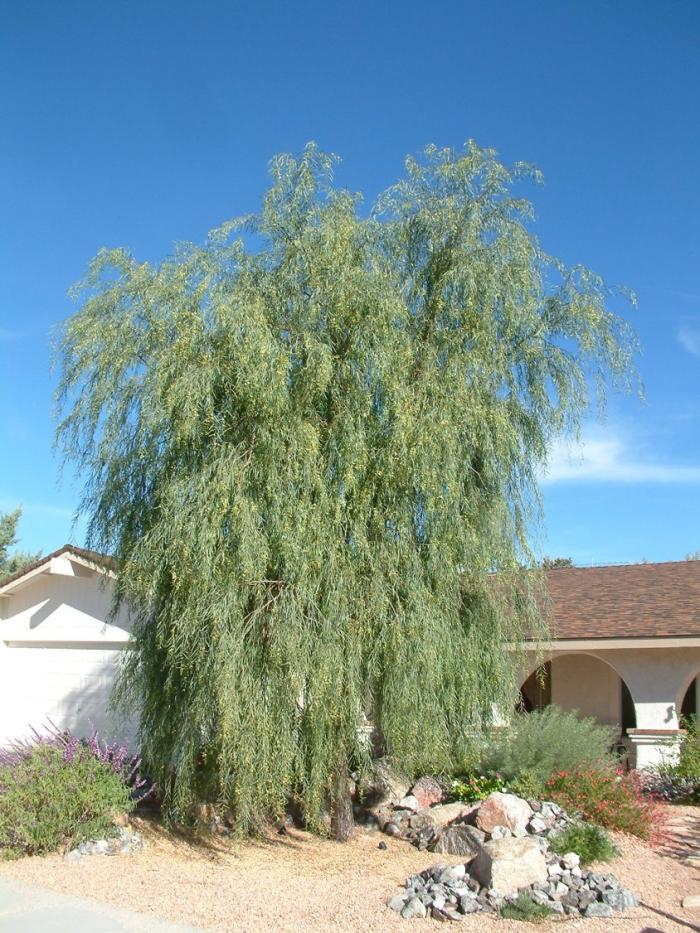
<point x="656" y="677"/>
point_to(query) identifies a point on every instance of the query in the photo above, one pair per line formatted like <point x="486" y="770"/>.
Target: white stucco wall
<point x="588" y="685"/>
<point x="58" y="656"/>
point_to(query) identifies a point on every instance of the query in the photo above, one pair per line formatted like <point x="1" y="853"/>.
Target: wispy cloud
<point x="606" y="458"/>
<point x="689" y="339"/>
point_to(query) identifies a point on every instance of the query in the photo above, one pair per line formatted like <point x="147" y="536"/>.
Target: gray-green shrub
<point x="47" y="802"/>
<point x="539" y="744"/>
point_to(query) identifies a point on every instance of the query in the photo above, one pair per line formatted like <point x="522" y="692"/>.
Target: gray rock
<point x="586" y="897"/>
<point x="500" y="832"/>
<point x="408" y="803"/>
<point x="414" y="908"/>
<point x="597" y="909"/>
<point x="453" y="873"/>
<point x="468" y="904"/>
<point x="571" y="860"/>
<point x="620" y="900"/>
<point x="392" y="829"/>
<point x="537" y="824"/>
<point x="398" y="902"/>
<point x="73" y="856"/>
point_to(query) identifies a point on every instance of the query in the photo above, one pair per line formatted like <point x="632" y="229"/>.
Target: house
<point x="59" y="655"/>
<point x="625" y="648"/>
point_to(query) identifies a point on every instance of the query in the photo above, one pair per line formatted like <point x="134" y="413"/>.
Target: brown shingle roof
<point x="630" y="601"/>
<point x="94" y="557"/>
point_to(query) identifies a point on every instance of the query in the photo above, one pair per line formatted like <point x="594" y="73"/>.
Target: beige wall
<point x="588" y="685"/>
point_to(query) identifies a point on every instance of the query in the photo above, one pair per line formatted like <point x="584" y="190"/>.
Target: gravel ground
<point x="297" y="883"/>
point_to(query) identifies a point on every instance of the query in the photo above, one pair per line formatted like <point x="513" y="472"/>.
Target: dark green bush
<point x="525" y="909"/>
<point x="542" y="743"/>
<point x="48" y="802"/>
<point x="590" y="842"/>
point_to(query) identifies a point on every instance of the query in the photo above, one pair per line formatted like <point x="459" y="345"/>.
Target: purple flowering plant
<point x="117" y="756"/>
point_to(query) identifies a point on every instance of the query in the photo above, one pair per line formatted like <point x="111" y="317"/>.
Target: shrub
<point x="473" y="786"/>
<point x="48" y="801"/>
<point x="115" y="756"/>
<point x="607" y="798"/>
<point x="541" y="743"/>
<point x="588" y="841"/>
<point x="680" y="782"/>
<point x="665" y="783"/>
<point x="525" y="909"/>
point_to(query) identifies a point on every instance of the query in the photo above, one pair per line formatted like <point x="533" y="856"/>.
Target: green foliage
<point x="11" y="562"/>
<point x="679" y="782"/>
<point x="689" y="757"/>
<point x="470" y="787"/>
<point x="540" y="743"/>
<point x="554" y="563"/>
<point x="607" y="798"/>
<point x="47" y="802"/>
<point x="525" y="909"/>
<point x="588" y="841"/>
<point x="310" y="442"/>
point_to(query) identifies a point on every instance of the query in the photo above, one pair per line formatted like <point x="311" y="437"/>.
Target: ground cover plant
<point x="309" y="443"/>
<point x="590" y="842"/>
<point x="50" y="800"/>
<point x="525" y="909"/>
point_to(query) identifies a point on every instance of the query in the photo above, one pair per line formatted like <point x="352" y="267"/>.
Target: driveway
<point x="28" y="909"/>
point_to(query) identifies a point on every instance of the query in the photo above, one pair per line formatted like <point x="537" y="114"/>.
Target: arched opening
<point x="584" y="683"/>
<point x="689" y="703"/>
<point x="536" y="692"/>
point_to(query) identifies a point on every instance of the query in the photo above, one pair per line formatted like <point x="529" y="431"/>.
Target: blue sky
<point x="142" y="124"/>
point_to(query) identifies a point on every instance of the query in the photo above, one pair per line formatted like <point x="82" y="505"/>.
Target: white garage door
<point x="69" y="686"/>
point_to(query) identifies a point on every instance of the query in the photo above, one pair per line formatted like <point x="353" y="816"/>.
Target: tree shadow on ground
<point x="682" y="836"/>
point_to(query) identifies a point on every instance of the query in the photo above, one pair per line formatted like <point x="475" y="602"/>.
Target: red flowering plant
<point x="608" y="798"/>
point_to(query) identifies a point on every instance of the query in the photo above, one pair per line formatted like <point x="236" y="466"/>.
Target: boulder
<point x="509" y="864"/>
<point x="504" y="810"/>
<point x="691" y="901"/>
<point x="427" y="791"/>
<point x="446" y="813"/>
<point x="383" y="785"/>
<point x="459" y="840"/>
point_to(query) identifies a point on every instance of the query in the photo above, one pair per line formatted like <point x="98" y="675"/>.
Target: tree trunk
<point x="342" y="819"/>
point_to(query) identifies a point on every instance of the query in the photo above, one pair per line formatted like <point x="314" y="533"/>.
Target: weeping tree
<point x="311" y="443"/>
